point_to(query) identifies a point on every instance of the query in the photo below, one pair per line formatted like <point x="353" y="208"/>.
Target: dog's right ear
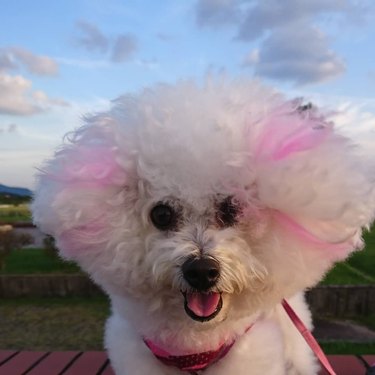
<point x="314" y="181"/>
<point x="75" y="190"/>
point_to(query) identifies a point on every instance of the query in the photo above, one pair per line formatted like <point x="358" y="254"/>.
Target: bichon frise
<point x="198" y="209"/>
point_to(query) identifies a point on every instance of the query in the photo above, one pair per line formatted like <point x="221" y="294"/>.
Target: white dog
<point x="198" y="209"/>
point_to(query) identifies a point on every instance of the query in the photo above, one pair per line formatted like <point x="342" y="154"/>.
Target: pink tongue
<point x="203" y="304"/>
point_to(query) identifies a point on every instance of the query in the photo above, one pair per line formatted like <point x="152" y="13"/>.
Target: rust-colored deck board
<point x="370" y="359"/>
<point x="88" y="363"/>
<point x="108" y="370"/>
<point x="345" y="365"/>
<point x="20" y="363"/>
<point x="54" y="363"/>
<point x="5" y="354"/>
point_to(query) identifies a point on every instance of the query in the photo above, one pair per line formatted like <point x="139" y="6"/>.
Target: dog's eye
<point x="226" y="214"/>
<point x="163" y="217"/>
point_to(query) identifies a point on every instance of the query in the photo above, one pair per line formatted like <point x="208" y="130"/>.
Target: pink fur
<point x="82" y="238"/>
<point x="91" y="164"/>
<point x="337" y="250"/>
<point x="287" y="133"/>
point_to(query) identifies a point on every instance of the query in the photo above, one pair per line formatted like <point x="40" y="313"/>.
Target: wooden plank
<point x="21" y="363"/>
<point x="345" y="365"/>
<point x="108" y="370"/>
<point x="56" y="362"/>
<point x="5" y="354"/>
<point x="370" y="359"/>
<point x="87" y="363"/>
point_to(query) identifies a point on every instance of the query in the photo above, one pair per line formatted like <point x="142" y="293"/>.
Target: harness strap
<point x="189" y="362"/>
<point x="309" y="338"/>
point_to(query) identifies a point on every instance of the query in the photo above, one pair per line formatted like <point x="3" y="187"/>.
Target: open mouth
<point x="202" y="306"/>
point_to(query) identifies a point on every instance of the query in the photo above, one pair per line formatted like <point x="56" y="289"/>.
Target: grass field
<point x="12" y="214"/>
<point x="31" y="261"/>
<point x="358" y="269"/>
<point x="337" y="347"/>
<point x="78" y="324"/>
<point x="53" y="323"/>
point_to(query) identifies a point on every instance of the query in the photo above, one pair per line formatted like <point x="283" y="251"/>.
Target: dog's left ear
<point x="76" y="188"/>
<point x="313" y="179"/>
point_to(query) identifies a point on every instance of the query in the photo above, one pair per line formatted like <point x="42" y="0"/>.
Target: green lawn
<point x="358" y="269"/>
<point x="31" y="261"/>
<point x="53" y="323"/>
<point x="342" y="347"/>
<point x="12" y="214"/>
<point x="78" y="324"/>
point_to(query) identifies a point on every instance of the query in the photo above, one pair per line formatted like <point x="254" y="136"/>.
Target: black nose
<point x="201" y="273"/>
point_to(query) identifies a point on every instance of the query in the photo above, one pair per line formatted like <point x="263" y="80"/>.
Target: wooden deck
<point x="96" y="363"/>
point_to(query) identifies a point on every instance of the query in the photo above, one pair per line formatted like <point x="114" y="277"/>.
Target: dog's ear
<point x="289" y="130"/>
<point x="313" y="180"/>
<point x="77" y="188"/>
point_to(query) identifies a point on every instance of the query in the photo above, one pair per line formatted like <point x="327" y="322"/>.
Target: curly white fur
<point x="304" y="196"/>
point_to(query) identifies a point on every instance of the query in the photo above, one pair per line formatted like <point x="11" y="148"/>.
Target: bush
<point x="49" y="247"/>
<point x="10" y="240"/>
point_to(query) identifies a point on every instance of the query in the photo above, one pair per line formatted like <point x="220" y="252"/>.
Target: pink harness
<point x="200" y="361"/>
<point x="309" y="338"/>
<point x="189" y="362"/>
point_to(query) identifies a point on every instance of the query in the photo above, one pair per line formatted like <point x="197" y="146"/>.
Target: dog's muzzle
<point x="202" y="275"/>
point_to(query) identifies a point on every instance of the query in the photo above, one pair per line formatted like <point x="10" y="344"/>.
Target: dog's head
<point x="206" y="202"/>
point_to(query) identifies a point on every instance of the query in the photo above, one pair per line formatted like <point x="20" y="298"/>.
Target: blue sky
<point x="60" y="60"/>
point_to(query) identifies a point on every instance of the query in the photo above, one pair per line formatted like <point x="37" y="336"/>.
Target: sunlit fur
<point x="302" y="192"/>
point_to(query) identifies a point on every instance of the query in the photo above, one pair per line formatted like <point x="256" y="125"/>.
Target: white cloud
<point x="18" y="167"/>
<point x="252" y="58"/>
<point x="216" y="13"/>
<point x="120" y="47"/>
<point x="44" y="101"/>
<point x="22" y="152"/>
<point x="36" y="64"/>
<point x="91" y="38"/>
<point x="358" y="123"/>
<point x="165" y="37"/>
<point x="13" y="58"/>
<point x="150" y="64"/>
<point x="10" y="128"/>
<point x="6" y="61"/>
<point x="124" y="48"/>
<point x="85" y="64"/>
<point x="300" y="57"/>
<point x="254" y="18"/>
<point x="14" y="96"/>
<point x="354" y="116"/>
<point x="290" y="45"/>
<point x="263" y="16"/>
<point x="17" y="97"/>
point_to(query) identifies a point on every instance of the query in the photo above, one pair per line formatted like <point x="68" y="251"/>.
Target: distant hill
<point x="14" y="195"/>
<point x="22" y="192"/>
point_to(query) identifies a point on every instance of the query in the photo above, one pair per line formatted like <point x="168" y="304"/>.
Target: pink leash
<point x="309" y="338"/>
